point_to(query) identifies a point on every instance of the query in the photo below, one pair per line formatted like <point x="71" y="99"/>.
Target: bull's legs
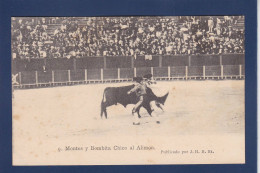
<point x="159" y="105"/>
<point x="148" y="108"/>
<point x="151" y="112"/>
<point x="103" y="109"/>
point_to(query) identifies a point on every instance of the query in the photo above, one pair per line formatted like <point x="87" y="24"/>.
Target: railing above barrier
<point x="84" y="76"/>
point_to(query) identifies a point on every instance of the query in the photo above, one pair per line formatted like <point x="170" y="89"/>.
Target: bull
<point x="115" y="95"/>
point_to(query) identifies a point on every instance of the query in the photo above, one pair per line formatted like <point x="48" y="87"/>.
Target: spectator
<point x="115" y="36"/>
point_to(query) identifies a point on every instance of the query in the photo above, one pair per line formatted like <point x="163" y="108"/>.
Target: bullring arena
<point x="61" y="66"/>
<point x="203" y="106"/>
<point x="71" y="115"/>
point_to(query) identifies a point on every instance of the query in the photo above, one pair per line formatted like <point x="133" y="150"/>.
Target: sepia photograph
<point x="128" y="90"/>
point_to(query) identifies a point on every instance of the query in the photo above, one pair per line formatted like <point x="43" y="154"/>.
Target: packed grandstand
<point x="66" y="37"/>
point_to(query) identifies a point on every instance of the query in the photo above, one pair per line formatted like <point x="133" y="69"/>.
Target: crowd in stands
<point x="66" y="37"/>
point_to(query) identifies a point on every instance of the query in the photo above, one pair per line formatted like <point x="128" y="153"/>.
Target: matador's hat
<point x="148" y="76"/>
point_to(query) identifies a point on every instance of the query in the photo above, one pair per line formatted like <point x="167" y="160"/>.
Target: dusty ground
<point x="196" y="113"/>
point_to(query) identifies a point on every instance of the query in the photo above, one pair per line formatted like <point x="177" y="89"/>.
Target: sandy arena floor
<point x="57" y="116"/>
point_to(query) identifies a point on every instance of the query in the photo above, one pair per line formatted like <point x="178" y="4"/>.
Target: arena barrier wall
<point x="32" y="79"/>
<point x="19" y="65"/>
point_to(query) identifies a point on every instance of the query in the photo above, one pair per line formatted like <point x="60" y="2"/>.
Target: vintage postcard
<point x="128" y="90"/>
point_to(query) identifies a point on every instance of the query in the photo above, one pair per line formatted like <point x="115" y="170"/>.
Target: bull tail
<point x="163" y="98"/>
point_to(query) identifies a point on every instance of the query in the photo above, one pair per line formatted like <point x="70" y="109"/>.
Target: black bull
<point x="114" y="95"/>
